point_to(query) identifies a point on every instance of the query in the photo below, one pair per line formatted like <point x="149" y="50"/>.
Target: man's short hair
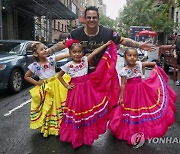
<point x="93" y="8"/>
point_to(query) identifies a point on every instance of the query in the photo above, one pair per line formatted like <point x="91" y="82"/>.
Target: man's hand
<point x="147" y="46"/>
<point x="144" y="46"/>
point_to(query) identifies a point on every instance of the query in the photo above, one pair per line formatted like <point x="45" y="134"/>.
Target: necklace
<point x="89" y="34"/>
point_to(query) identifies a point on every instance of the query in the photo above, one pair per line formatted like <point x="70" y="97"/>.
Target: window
<point x="58" y="25"/>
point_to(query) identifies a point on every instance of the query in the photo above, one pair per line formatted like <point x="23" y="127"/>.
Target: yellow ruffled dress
<point x="47" y="105"/>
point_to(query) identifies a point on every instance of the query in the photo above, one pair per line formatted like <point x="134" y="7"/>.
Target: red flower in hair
<point x="69" y="42"/>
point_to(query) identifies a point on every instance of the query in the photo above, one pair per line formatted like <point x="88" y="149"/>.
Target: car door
<point x="28" y="55"/>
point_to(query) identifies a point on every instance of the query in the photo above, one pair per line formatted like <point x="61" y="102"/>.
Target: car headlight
<point x="2" y="67"/>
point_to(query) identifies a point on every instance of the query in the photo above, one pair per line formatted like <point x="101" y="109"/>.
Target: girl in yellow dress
<point x="48" y="95"/>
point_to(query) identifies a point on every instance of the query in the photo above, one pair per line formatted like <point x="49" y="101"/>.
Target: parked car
<point x="15" y="56"/>
<point x="166" y="57"/>
<point x="62" y="61"/>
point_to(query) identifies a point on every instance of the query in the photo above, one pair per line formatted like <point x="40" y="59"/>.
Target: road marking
<point x="18" y="107"/>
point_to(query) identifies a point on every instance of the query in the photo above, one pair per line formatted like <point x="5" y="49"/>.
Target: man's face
<point x="91" y="19"/>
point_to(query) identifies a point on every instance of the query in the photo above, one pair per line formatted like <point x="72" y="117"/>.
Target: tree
<point x="104" y="20"/>
<point x="139" y="13"/>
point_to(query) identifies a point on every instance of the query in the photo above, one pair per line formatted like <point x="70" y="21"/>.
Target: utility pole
<point x="1" y="31"/>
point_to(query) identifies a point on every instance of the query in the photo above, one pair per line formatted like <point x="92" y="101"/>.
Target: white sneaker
<point x="143" y="77"/>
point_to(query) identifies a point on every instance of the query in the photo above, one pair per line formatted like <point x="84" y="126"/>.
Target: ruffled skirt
<point x="148" y="108"/>
<point x="88" y="103"/>
<point x="47" y="105"/>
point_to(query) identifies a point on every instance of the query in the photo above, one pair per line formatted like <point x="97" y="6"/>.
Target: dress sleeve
<point x="123" y="72"/>
<point x="65" y="68"/>
<point x="85" y="60"/>
<point x="31" y="67"/>
<point x="52" y="59"/>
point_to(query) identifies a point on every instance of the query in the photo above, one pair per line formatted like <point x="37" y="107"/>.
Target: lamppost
<point x="1" y="32"/>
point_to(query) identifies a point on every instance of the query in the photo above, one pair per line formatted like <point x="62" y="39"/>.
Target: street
<point x="17" y="138"/>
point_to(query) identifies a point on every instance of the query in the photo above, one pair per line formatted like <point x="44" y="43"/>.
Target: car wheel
<point x="16" y="81"/>
<point x="164" y="65"/>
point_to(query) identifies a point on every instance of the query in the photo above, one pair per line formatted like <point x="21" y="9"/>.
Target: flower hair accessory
<point x="70" y="42"/>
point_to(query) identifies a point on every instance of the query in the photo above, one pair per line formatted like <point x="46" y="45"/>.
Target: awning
<point x="147" y="32"/>
<point x="54" y="9"/>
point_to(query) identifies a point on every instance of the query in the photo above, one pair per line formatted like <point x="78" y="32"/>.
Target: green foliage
<point x="142" y="13"/>
<point x="106" y="21"/>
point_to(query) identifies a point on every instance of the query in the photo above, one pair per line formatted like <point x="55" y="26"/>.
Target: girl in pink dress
<point x="86" y="112"/>
<point x="146" y="106"/>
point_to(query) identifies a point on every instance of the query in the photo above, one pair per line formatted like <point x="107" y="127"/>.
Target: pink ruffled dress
<point x="87" y="106"/>
<point x="148" y="106"/>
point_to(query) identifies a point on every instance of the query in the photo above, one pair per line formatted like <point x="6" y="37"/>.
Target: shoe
<point x="143" y="77"/>
<point x="177" y="83"/>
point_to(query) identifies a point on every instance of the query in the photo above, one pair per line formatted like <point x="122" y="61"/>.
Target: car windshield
<point x="12" y="48"/>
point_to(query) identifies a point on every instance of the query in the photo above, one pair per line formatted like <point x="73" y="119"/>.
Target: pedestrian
<point x="177" y="56"/>
<point x="48" y="95"/>
<point x="86" y="111"/>
<point x="93" y="35"/>
<point x="146" y="106"/>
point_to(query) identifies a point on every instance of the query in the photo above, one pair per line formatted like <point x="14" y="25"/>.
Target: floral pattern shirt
<point x="76" y="70"/>
<point x="132" y="72"/>
<point x="44" y="71"/>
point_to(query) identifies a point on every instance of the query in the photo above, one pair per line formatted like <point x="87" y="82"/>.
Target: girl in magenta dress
<point x="86" y="113"/>
<point x="146" y="106"/>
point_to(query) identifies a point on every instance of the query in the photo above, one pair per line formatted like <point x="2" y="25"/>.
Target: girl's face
<point x="41" y="53"/>
<point x="131" y="56"/>
<point x="76" y="54"/>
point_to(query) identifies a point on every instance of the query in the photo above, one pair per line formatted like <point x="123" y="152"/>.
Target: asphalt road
<point x="17" y="138"/>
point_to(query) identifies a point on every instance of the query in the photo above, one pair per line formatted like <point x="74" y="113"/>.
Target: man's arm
<point x="131" y="43"/>
<point x="57" y="47"/>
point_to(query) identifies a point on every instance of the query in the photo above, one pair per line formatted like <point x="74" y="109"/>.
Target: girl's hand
<point x="70" y="86"/>
<point x="108" y="43"/>
<point x="40" y="82"/>
<point x="120" y="100"/>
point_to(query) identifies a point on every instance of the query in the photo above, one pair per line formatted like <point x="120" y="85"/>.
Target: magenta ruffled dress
<point x="148" y="108"/>
<point x="88" y="103"/>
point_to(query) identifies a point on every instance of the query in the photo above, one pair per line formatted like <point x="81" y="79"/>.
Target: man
<point x="93" y="35"/>
<point x="177" y="56"/>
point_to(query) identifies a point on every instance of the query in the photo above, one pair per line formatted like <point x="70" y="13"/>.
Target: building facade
<point x="35" y="20"/>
